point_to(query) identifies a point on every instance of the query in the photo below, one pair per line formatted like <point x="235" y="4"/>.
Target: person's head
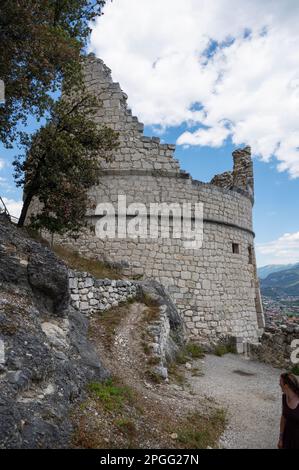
<point x="289" y="382"/>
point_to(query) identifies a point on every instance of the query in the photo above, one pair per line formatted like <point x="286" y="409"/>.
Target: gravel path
<point x="250" y="392"/>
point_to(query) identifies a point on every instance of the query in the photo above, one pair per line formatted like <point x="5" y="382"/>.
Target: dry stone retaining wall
<point x="275" y="346"/>
<point x="89" y="294"/>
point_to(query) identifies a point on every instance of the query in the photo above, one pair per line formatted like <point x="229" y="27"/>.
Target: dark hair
<point x="291" y="381"/>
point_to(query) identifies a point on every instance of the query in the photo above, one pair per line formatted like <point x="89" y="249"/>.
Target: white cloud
<point x="213" y="137"/>
<point x="248" y="86"/>
<point x="5" y="186"/>
<point x="13" y="207"/>
<point x="2" y="164"/>
<point x="281" y="251"/>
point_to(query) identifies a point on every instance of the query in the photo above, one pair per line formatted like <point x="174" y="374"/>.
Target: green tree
<point x="40" y="46"/>
<point x="61" y="163"/>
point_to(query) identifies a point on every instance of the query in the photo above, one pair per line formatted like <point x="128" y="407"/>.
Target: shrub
<point x="295" y="369"/>
<point x="194" y="350"/>
<point x="222" y="349"/>
<point x="200" y="432"/>
<point x="113" y="396"/>
<point x="127" y="426"/>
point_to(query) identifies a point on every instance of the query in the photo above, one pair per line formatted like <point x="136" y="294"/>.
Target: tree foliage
<point x="61" y="163"/>
<point x="40" y="45"/>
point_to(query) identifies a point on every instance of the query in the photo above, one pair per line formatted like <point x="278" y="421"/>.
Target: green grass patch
<point x="153" y="361"/>
<point x="146" y="349"/>
<point x="127" y="426"/>
<point x="222" y="349"/>
<point x="36" y="236"/>
<point x="175" y="374"/>
<point x="112" y="395"/>
<point x="200" y="432"/>
<point x="79" y="263"/>
<point x="194" y="351"/>
<point x="196" y="372"/>
<point x="295" y="369"/>
<point x="188" y="352"/>
<point x="153" y="376"/>
<point x="182" y="357"/>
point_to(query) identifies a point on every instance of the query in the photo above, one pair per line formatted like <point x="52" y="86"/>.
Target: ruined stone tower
<point x="215" y="287"/>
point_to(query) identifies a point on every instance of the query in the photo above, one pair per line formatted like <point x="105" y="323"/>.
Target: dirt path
<point x="127" y="360"/>
<point x="247" y="390"/>
<point x="162" y="415"/>
<point x="250" y="392"/>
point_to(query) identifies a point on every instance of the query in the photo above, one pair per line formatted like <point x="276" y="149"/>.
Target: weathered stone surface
<point x="168" y="331"/>
<point x="48" y="278"/>
<point x="275" y="344"/>
<point x="243" y="171"/>
<point x="56" y="335"/>
<point x="99" y="294"/>
<point x="224" y="180"/>
<point x="46" y="360"/>
<point x="28" y="264"/>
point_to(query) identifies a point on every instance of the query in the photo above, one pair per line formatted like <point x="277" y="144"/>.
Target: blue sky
<point x="211" y="81"/>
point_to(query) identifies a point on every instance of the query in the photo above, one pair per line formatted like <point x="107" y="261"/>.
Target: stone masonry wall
<point x="241" y="178"/>
<point x="89" y="294"/>
<point x="275" y="346"/>
<point x="134" y="147"/>
<point x="214" y="288"/>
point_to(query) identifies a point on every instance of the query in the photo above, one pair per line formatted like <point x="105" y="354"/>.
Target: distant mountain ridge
<point x="264" y="271"/>
<point x="283" y="282"/>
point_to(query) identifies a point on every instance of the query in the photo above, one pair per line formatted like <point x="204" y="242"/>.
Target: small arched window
<point x="250" y="254"/>
<point x="236" y="248"/>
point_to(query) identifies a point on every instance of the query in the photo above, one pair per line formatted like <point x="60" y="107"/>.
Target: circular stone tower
<point x="215" y="287"/>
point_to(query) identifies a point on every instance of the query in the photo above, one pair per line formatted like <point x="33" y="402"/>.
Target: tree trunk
<point x="26" y="204"/>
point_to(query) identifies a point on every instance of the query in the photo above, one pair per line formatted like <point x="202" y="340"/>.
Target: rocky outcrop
<point x="33" y="267"/>
<point x="45" y="357"/>
<point x="167" y="331"/>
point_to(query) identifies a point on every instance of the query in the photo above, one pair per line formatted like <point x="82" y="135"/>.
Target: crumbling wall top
<point x="141" y="153"/>
<point x="241" y="179"/>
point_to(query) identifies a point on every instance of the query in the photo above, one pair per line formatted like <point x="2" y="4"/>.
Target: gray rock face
<point x="34" y="267"/>
<point x="45" y="357"/>
<point x="169" y="330"/>
<point x="48" y="279"/>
